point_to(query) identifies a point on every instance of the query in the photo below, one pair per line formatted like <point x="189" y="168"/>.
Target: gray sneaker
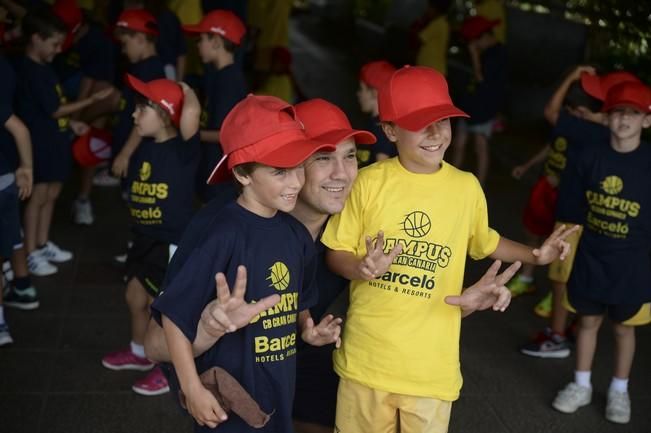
<point x="618" y="408"/>
<point x="572" y="397"/>
<point x="82" y="212"/>
<point x="5" y="336"/>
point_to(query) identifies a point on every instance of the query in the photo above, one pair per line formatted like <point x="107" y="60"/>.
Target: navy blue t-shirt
<point x="170" y="44"/>
<point x="8" y="154"/>
<point x="485" y="99"/>
<point x="367" y="153"/>
<point x="611" y="192"/>
<point x="278" y="253"/>
<point x="39" y="96"/>
<point x="93" y="56"/>
<point x="146" y="70"/>
<point x="161" y="187"/>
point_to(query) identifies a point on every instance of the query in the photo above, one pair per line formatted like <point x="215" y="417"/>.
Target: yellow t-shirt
<point x="494" y="9"/>
<point x="400" y="335"/>
<point x="188" y="11"/>
<point x="434" y="49"/>
<point x="278" y="85"/>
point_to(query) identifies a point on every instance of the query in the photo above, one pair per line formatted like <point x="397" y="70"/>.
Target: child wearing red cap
<point x="573" y="113"/>
<point x="606" y="188"/>
<point x="372" y="76"/>
<point x="41" y="104"/>
<point x="160" y="193"/>
<point x="220" y="33"/>
<point x="254" y="240"/>
<point x="485" y="95"/>
<point x="406" y="285"/>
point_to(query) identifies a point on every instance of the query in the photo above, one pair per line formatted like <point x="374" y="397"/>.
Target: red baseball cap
<point x="92" y="148"/>
<point x="138" y="20"/>
<point x="326" y="122"/>
<point x="474" y="27"/>
<point x="167" y="94"/>
<point x="70" y="13"/>
<point x="263" y="129"/>
<point x="628" y="94"/>
<point x="414" y="97"/>
<point x="376" y="74"/>
<point x="221" y="22"/>
<point x="598" y="86"/>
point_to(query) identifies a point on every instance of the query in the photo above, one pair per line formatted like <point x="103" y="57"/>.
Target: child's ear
<point x="389" y="131"/>
<point x="242" y="179"/>
<point x="646" y="122"/>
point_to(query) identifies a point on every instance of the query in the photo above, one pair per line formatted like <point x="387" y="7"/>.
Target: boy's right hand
<point x="24" y="181"/>
<point x="203" y="406"/>
<point x="120" y="165"/>
<point x="375" y="263"/>
<point x="519" y="171"/>
<point x="576" y="74"/>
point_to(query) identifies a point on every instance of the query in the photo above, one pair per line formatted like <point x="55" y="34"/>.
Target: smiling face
<point x="266" y="190"/>
<point x="421" y="151"/>
<point x="329" y="177"/>
<point x="46" y="49"/>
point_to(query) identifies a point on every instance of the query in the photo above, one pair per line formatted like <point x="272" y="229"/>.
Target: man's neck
<point x="311" y="219"/>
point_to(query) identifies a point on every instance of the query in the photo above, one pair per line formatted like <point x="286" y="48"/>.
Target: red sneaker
<point x="126" y="360"/>
<point x="155" y="383"/>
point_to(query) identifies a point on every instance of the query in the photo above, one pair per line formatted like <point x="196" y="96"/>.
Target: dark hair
<point x="230" y="46"/>
<point x="142" y="100"/>
<point x="43" y="22"/>
<point x="577" y="97"/>
<point x="244" y="170"/>
<point x="130" y="32"/>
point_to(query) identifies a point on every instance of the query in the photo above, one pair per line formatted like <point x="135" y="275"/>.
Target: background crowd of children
<point x="165" y="86"/>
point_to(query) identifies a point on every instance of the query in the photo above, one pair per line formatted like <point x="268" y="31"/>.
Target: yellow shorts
<point x="559" y="270"/>
<point x="642" y="317"/>
<point x="361" y="409"/>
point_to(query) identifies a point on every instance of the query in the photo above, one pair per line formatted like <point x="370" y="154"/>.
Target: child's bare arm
<point x="209" y="135"/>
<point x="72" y="107"/>
<point x="24" y="173"/>
<point x="555" y="104"/>
<point x="374" y="264"/>
<point x="200" y="402"/>
<point x="121" y="162"/>
<point x="539" y="157"/>
<point x="190" y="116"/>
<point x="554" y="247"/>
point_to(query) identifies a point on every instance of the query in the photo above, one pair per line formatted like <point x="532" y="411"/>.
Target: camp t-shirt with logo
<point x="161" y="187"/>
<point x="611" y="194"/>
<point x="145" y="70"/>
<point x="8" y="153"/>
<point x="39" y="96"/>
<point x="93" y="55"/>
<point x="367" y="153"/>
<point x="569" y="136"/>
<point x="278" y="253"/>
<point x="401" y="336"/>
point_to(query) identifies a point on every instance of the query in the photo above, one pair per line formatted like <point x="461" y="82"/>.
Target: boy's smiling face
<point x="267" y="189"/>
<point x="421" y="151"/>
<point x="627" y="122"/>
<point x="48" y="48"/>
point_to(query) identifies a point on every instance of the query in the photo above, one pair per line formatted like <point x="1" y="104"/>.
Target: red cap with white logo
<point x="167" y="94"/>
<point x="221" y="22"/>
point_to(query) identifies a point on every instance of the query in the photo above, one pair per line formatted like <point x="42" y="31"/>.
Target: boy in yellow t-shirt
<point x="400" y="354"/>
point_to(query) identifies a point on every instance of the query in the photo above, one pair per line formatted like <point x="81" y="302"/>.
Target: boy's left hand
<point x="326" y="332"/>
<point x="78" y="127"/>
<point x="555" y="246"/>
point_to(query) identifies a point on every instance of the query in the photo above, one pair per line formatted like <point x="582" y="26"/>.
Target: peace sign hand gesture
<point x="375" y="263"/>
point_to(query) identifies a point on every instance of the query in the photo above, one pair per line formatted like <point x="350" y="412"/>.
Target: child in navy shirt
<point x="160" y="192"/>
<point x="220" y="33"/>
<point x="253" y="238"/>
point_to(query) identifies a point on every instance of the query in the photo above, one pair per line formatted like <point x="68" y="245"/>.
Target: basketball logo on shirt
<point x="416" y="224"/>
<point x="279" y="276"/>
<point x="612" y="185"/>
<point x="145" y="171"/>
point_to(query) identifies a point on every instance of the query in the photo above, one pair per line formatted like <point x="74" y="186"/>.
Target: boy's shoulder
<point x="391" y="168"/>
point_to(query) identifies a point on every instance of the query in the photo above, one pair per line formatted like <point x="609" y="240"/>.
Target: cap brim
<point x="139" y="86"/>
<point x="220" y="173"/>
<point x="591" y="85"/>
<point x="337" y="136"/>
<point x="193" y="29"/>
<point x="420" y="119"/>
<point x="624" y="103"/>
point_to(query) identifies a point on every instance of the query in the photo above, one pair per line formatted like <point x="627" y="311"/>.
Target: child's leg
<point x="483" y="157"/>
<point x="47" y="209"/>
<point x="363" y="409"/>
<point x="586" y="344"/>
<point x="138" y="301"/>
<point x="423" y="415"/>
<point x="559" y="313"/>
<point x="32" y="214"/>
<point x="624" y="349"/>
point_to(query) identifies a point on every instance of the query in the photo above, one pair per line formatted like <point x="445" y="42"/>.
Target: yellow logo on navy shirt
<point x="560" y="144"/>
<point x="145" y="171"/>
<point x="612" y="185"/>
<point x="279" y="276"/>
<point x="417" y="224"/>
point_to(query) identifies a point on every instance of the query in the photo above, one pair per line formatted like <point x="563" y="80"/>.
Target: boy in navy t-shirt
<point x="160" y="192"/>
<point x="372" y="76"/>
<point x="606" y="188"/>
<point x="264" y="146"/>
<point x="220" y="33"/>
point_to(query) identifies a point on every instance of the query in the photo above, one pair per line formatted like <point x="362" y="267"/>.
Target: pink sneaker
<point x="126" y="360"/>
<point x="155" y="383"/>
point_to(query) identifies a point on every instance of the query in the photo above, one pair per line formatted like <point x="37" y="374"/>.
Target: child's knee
<point x="136" y="296"/>
<point x="590" y="323"/>
<point x="623" y="331"/>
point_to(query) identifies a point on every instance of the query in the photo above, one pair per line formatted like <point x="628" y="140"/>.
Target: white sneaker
<point x="618" y="408"/>
<point x="5" y="336"/>
<point x="38" y="264"/>
<point x="55" y="254"/>
<point x="7" y="272"/>
<point x="572" y="397"/>
<point x="104" y="178"/>
<point x="82" y="212"/>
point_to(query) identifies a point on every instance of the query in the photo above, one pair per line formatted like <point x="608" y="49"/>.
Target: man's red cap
<point x="474" y="27"/>
<point x="326" y="122"/>
<point x="138" y="20"/>
<point x="414" y="97"/>
<point x="598" y="86"/>
<point x="70" y="13"/>
<point x="263" y="129"/>
<point x="376" y="74"/>
<point x="221" y="22"/>
<point x="628" y="94"/>
<point x="167" y="94"/>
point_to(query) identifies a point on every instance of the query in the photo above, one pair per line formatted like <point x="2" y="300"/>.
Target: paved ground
<point x="51" y="379"/>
